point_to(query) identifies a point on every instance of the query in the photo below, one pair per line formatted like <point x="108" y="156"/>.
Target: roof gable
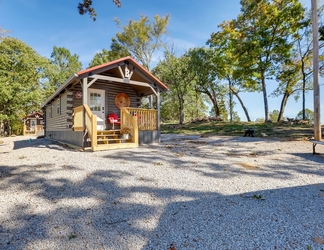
<point x="134" y="65"/>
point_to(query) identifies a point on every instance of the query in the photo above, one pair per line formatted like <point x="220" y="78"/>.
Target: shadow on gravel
<point x="287" y="218"/>
<point x="94" y="214"/>
<point x="38" y="143"/>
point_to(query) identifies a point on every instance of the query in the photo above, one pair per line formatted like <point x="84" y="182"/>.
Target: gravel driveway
<point x="188" y="192"/>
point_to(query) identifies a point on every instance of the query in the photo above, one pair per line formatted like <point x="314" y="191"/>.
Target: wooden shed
<point x="80" y="111"/>
<point x="33" y="124"/>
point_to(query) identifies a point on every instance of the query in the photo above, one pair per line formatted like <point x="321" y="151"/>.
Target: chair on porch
<point x="113" y="119"/>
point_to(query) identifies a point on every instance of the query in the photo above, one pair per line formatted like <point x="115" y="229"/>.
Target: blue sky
<point x="43" y="24"/>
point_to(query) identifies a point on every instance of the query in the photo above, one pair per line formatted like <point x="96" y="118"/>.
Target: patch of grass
<point x="72" y="236"/>
<point x="292" y="131"/>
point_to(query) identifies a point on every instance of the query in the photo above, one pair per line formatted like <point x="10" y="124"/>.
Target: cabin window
<point x="95" y="101"/>
<point x="58" y="106"/>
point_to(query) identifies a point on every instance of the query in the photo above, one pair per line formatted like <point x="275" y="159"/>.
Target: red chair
<point x="113" y="119"/>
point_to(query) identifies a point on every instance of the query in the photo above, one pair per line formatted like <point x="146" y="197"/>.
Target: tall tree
<point x="289" y="83"/>
<point x="21" y="71"/>
<point x="265" y="29"/>
<point x="142" y="38"/>
<point x="201" y="63"/>
<point x="64" y="64"/>
<point x="176" y="73"/>
<point x="227" y="64"/>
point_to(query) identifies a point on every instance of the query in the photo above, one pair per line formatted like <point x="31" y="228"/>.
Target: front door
<point x="32" y="124"/>
<point x="96" y="102"/>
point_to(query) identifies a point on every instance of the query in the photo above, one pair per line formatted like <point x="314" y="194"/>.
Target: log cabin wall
<point x="111" y="90"/>
<point x="58" y="114"/>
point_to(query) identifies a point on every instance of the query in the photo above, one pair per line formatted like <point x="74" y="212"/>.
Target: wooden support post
<point x="94" y="142"/>
<point x="317" y="103"/>
<point x="158" y="110"/>
<point x="84" y="101"/>
<point x="135" y="127"/>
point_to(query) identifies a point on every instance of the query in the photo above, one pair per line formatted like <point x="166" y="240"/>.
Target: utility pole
<point x="317" y="109"/>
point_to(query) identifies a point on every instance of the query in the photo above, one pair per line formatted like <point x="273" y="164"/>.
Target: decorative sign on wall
<point x="122" y="100"/>
<point x="78" y="94"/>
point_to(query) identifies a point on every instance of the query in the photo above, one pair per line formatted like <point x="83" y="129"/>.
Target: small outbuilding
<point x="33" y="124"/>
<point x="96" y="107"/>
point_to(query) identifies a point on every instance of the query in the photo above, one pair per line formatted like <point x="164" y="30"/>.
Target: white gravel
<point x="186" y="193"/>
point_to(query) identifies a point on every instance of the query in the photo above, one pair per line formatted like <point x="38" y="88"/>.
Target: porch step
<point x="108" y="132"/>
<point x="106" y="141"/>
<point x="109" y="136"/>
<point x="115" y="146"/>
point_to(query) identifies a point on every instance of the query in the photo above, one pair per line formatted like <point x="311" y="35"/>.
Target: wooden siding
<point x="59" y="121"/>
<point x="111" y="90"/>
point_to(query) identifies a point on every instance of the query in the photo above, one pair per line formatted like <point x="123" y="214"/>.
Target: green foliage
<point x="263" y="31"/>
<point x="259" y="120"/>
<point x="142" y="38"/>
<point x="309" y="115"/>
<point x="203" y="63"/>
<point x="175" y="72"/>
<point x="274" y="115"/>
<point x="64" y="64"/>
<point x="21" y="71"/>
<point x="86" y="7"/>
<point x="116" y="51"/>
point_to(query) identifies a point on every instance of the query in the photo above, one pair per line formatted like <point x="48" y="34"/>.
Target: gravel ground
<point x="188" y="192"/>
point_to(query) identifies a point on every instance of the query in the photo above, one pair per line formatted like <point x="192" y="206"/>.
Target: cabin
<point x="100" y="108"/>
<point x="33" y="124"/>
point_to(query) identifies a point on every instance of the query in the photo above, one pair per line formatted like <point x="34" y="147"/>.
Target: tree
<point x="288" y="80"/>
<point x="274" y="115"/>
<point x="117" y="51"/>
<point x="227" y="64"/>
<point x="201" y="64"/>
<point x="86" y="7"/>
<point x="175" y="72"/>
<point x="309" y="115"/>
<point x="64" y="64"/>
<point x="142" y="38"/>
<point x="265" y="29"/>
<point x="21" y="90"/>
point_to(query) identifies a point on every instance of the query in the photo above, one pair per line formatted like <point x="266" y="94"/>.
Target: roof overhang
<point x="61" y="88"/>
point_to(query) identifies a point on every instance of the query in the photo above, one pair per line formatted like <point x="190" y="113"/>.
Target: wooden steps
<point x="109" y="136"/>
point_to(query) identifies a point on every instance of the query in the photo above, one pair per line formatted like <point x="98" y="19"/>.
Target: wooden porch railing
<point x="147" y="118"/>
<point x="28" y="131"/>
<point x="129" y="121"/>
<point x="90" y="123"/>
<point x="78" y="118"/>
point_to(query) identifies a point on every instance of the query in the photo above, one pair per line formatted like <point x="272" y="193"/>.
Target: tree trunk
<point x="304" y="89"/>
<point x="265" y="97"/>
<point x="230" y="100"/>
<point x="283" y="106"/>
<point x="242" y="105"/>
<point x="181" y="118"/>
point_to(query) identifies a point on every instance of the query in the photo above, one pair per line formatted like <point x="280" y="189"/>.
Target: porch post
<point x="158" y="109"/>
<point x="84" y="90"/>
<point x="84" y="101"/>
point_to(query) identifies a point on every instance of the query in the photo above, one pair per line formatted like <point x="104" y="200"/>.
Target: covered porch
<point x="134" y="122"/>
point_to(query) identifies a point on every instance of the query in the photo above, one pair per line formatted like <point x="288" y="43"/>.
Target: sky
<point x="43" y="24"/>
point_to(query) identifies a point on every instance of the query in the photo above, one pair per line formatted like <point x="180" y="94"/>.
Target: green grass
<point x="282" y="130"/>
